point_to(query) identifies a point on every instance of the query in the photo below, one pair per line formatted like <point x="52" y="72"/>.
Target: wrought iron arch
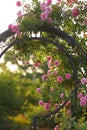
<point x="54" y="33"/>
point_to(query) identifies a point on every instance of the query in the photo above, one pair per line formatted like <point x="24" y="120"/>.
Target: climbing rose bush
<point x="57" y="82"/>
<point x="48" y="92"/>
<point x="53" y="94"/>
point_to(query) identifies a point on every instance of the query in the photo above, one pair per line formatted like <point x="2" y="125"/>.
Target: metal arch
<point x="4" y="35"/>
<point x="71" y="63"/>
<point x="50" y="30"/>
<point x="41" y="39"/>
<point x="63" y="35"/>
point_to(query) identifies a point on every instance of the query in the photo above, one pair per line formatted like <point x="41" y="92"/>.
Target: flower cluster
<point x="52" y="65"/>
<point x="52" y="72"/>
<point x="14" y="28"/>
<point x="23" y="9"/>
<point x="47" y="9"/>
<point x="82" y="98"/>
<point x="46" y="105"/>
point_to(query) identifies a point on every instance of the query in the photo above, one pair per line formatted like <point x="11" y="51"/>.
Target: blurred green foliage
<point x="18" y="101"/>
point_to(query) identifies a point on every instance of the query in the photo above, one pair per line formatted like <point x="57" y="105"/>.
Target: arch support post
<point x="35" y="122"/>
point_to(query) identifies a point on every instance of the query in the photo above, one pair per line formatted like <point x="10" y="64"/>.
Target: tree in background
<point x="18" y="98"/>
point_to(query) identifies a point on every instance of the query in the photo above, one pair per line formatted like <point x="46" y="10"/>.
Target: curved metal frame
<point x="71" y="41"/>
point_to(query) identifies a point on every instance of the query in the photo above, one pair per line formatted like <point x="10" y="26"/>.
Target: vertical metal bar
<point x="40" y="34"/>
<point x="35" y="34"/>
<point x="74" y="100"/>
<point x="35" y="118"/>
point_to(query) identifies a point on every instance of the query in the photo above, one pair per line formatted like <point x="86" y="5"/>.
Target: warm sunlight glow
<point x="11" y="67"/>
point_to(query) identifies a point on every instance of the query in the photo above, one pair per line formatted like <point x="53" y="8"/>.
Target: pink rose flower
<point x="83" y="80"/>
<point x="56" y="127"/>
<point x="68" y="112"/>
<point x="55" y="72"/>
<point x="62" y="95"/>
<point x="57" y="63"/>
<point x="49" y="58"/>
<point x="41" y="103"/>
<point x="15" y="28"/>
<point x="59" y="79"/>
<point x="37" y="64"/>
<point x="68" y="76"/>
<point x="75" y="12"/>
<point x="49" y="2"/>
<point x="48" y="10"/>
<point x="19" y="13"/>
<point x="9" y="26"/>
<point x="47" y="106"/>
<point x="79" y="95"/>
<point x="82" y="103"/>
<point x="49" y="72"/>
<point x="44" y="77"/>
<point x="43" y="6"/>
<point x="38" y="90"/>
<point x="18" y="3"/>
<point x="44" y="16"/>
<point x="83" y="98"/>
